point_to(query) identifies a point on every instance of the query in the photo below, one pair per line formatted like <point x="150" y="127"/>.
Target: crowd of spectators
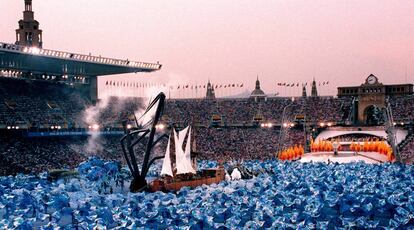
<point x="355" y="138"/>
<point x="407" y="151"/>
<point x="44" y="104"/>
<point x="402" y="108"/>
<point x="24" y="155"/>
<point x="40" y="104"/>
<point x="19" y="155"/>
<point x="236" y="143"/>
<point x="243" y="111"/>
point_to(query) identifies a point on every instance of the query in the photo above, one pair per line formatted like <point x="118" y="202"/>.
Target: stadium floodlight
<point x="322" y="124"/>
<point x="329" y="124"/>
<point x="52" y="127"/>
<point x="129" y="126"/>
<point x="402" y="123"/>
<point x="292" y="125"/>
<point x="59" y="127"/>
<point x="395" y="123"/>
<point x="285" y="125"/>
<point x="95" y="127"/>
<point x="160" y="126"/>
<point x="270" y="125"/>
<point x="34" y="50"/>
<point x="8" y="127"/>
<point x="17" y="127"/>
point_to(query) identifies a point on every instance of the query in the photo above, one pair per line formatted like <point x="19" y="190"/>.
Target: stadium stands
<point x="40" y="104"/>
<point x="407" y="149"/>
<point x="44" y="104"/>
<point x="402" y="108"/>
<point x="37" y="105"/>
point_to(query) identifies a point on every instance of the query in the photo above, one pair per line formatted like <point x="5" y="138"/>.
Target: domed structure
<point x="258" y="93"/>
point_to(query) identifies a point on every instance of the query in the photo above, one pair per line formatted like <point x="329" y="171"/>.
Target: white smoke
<point x="166" y="86"/>
<point x="92" y="114"/>
<point x="91" y="118"/>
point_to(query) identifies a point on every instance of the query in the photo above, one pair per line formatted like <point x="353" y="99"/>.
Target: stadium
<point x="314" y="162"/>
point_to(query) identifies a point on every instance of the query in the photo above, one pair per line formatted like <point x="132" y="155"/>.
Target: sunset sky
<point x="233" y="41"/>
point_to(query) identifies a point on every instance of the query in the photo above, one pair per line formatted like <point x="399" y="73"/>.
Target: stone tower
<point x="28" y="33"/>
<point x="304" y="94"/>
<point x="210" y="94"/>
<point x="314" y="92"/>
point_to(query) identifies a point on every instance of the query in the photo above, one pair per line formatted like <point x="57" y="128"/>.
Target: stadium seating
<point x="41" y="105"/>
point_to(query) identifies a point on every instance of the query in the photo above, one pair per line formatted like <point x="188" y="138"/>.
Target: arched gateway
<point x="370" y="99"/>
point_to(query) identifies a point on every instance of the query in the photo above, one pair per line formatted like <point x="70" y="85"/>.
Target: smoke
<point x="151" y="92"/>
<point x="94" y="116"/>
<point x="91" y="118"/>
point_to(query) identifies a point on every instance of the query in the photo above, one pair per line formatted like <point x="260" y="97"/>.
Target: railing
<point x="78" y="57"/>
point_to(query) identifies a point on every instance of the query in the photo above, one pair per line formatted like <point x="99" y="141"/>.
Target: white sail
<point x="166" y="166"/>
<point x="178" y="154"/>
<point x="187" y="153"/>
<point x="183" y="163"/>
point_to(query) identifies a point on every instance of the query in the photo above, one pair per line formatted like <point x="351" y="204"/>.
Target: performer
<point x="335" y="146"/>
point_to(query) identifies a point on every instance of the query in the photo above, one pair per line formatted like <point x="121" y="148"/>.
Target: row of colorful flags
<point x="184" y="86"/>
<point x="296" y="84"/>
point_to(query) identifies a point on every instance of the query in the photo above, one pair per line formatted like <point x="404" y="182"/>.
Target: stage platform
<point x="344" y="157"/>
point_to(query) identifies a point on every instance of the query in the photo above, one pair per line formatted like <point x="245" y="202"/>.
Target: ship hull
<point x="206" y="177"/>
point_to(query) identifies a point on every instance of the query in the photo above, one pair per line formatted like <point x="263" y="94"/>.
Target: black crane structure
<point x="143" y="135"/>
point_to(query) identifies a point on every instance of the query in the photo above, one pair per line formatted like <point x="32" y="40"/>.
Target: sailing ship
<point x="183" y="171"/>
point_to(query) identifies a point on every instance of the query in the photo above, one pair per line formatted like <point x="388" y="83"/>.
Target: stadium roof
<point x="33" y="59"/>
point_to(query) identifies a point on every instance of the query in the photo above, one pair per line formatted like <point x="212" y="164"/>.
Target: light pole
<point x="282" y="127"/>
